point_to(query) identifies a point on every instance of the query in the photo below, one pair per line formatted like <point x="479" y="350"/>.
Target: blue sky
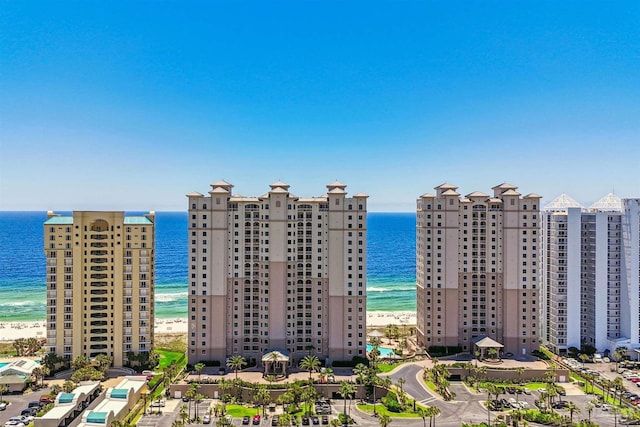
<point x="131" y="105"/>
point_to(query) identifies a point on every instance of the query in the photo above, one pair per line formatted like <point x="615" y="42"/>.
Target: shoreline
<point x="11" y="331"/>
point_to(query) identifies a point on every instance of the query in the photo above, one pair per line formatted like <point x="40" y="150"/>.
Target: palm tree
<point x="3" y="389"/>
<point x="361" y="372"/>
<point x="273" y="359"/>
<point x="573" y="409"/>
<point x="384" y="420"/>
<point x="583" y="358"/>
<point x="198" y="367"/>
<point x="520" y="371"/>
<point x="37" y="373"/>
<point x="589" y="407"/>
<point x="68" y="386"/>
<point x="308" y="396"/>
<point x="619" y="355"/>
<point x="262" y="397"/>
<point x="310" y="363"/>
<point x="423" y="413"/>
<point x="346" y="390"/>
<point x="236" y="363"/>
<point x="104" y="362"/>
<point x="434" y="411"/>
<point x="618" y="385"/>
<point x="184" y="415"/>
<point x="492" y="352"/>
<point x="615" y="411"/>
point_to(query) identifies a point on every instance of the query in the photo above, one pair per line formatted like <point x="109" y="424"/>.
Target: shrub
<point x="390" y="401"/>
<point x="350" y="363"/>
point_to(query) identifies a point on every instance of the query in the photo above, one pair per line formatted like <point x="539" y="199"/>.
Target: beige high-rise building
<point x="478" y="268"/>
<point x="100" y="284"/>
<point x="277" y="272"/>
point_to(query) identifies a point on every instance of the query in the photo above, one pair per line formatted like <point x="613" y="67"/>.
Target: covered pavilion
<point x="275" y="360"/>
<point x="484" y="343"/>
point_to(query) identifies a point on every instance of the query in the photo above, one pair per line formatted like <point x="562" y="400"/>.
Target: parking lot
<point x="18" y="402"/>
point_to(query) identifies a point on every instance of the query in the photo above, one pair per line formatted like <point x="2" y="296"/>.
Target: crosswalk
<point x="427" y="400"/>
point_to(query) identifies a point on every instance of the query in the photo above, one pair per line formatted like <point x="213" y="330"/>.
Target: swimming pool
<point x="3" y="364"/>
<point x="384" y="351"/>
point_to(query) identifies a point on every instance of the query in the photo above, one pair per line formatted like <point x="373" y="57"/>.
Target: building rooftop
<point x="609" y="203"/>
<point x="137" y="220"/>
<point x="562" y="202"/>
<point x="59" y="220"/>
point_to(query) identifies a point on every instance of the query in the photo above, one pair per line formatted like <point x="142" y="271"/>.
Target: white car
<point x="3" y="406"/>
<point x="158" y="403"/>
<point x="14" y="424"/>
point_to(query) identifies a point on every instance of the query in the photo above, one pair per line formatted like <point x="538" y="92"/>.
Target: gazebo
<point x="483" y="344"/>
<point x="274" y="360"/>
<point x="375" y="334"/>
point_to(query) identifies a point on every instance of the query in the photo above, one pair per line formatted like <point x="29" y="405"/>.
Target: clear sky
<point x="131" y="105"/>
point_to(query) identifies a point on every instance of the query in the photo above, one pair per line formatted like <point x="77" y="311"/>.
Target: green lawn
<point x="380" y="409"/>
<point x="384" y="368"/>
<point x="239" y="411"/>
<point x="431" y="385"/>
<point x="535" y="386"/>
<point x="166" y="356"/>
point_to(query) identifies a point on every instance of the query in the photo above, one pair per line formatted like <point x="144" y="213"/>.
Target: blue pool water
<point x="3" y="364"/>
<point x="384" y="351"/>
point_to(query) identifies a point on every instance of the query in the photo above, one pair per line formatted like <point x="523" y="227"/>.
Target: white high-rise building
<point x="590" y="274"/>
<point x="277" y="272"/>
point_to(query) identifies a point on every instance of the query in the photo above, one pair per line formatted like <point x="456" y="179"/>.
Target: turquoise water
<point x="384" y="351"/>
<point x="391" y="277"/>
<point x="3" y="364"/>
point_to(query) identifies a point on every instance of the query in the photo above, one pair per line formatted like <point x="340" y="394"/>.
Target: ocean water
<point x="390" y="264"/>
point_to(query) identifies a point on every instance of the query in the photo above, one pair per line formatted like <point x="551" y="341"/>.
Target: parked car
<point x="3" y="406"/>
<point x="274" y="420"/>
<point x="206" y="419"/>
<point x="325" y="419"/>
<point x="246" y="419"/>
<point x="256" y="420"/>
<point x="14" y="424"/>
<point x="47" y="399"/>
<point x="160" y="403"/>
<point x="29" y="413"/>
<point x="36" y="404"/>
<point x="315" y="421"/>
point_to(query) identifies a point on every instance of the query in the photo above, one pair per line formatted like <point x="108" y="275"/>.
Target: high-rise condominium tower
<point x="100" y="284"/>
<point x="590" y="274"/>
<point x="277" y="272"/>
<point x="478" y="268"/>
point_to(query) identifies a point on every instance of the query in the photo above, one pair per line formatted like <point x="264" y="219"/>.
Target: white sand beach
<point x="377" y="319"/>
<point x="11" y="331"/>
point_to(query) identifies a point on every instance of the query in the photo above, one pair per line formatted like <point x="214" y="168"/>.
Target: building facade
<point x="100" y="284"/>
<point x="477" y="268"/>
<point x="590" y="274"/>
<point x="277" y="272"/>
